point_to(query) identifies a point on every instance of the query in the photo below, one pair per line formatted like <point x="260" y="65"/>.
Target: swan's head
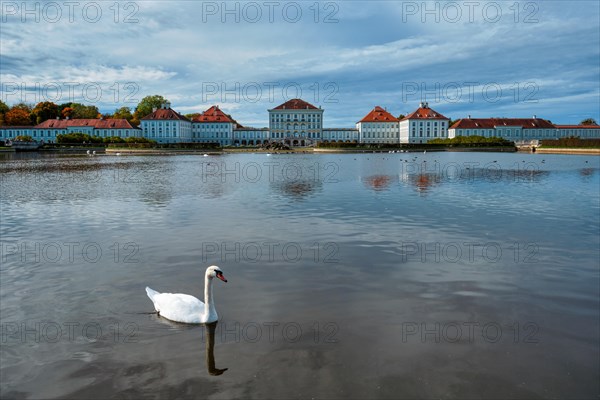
<point x="215" y="272"/>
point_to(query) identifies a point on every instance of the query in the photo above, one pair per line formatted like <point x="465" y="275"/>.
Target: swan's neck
<point x="209" y="305"/>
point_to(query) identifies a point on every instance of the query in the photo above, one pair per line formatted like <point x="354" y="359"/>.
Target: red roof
<point x="213" y="114"/>
<point x="119" y="123"/>
<point x="578" y="126"/>
<point x="491" y="123"/>
<point x="165" y="113"/>
<point x="425" y="112"/>
<point x="295" y="104"/>
<point x="378" y="114"/>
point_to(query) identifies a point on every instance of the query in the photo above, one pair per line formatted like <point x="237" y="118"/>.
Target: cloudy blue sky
<point x="479" y="58"/>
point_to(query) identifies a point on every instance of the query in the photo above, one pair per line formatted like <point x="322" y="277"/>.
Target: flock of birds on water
<point x="93" y="153"/>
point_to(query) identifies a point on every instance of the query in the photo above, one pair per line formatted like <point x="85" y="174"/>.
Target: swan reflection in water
<point x="208" y="336"/>
<point x="210" y="349"/>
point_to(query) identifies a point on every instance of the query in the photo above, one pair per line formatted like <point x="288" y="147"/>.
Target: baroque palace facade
<point x="299" y="123"/>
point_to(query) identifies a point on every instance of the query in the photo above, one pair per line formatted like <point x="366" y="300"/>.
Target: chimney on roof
<point x="67" y="118"/>
<point x="534" y="116"/>
<point x="57" y="118"/>
<point x="469" y="116"/>
<point x="153" y="109"/>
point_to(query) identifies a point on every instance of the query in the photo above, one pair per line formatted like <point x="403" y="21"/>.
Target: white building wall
<point x="251" y="136"/>
<point x="48" y="135"/>
<point x="213" y="132"/>
<point x="379" y="132"/>
<point x="336" y="134"/>
<point x="167" y="131"/>
<point x="296" y="124"/>
<point x="422" y="130"/>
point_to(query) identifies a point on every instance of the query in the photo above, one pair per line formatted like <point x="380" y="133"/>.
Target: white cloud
<point x="369" y="53"/>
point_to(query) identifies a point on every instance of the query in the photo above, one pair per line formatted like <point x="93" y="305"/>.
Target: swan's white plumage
<point x="177" y="306"/>
<point x="185" y="308"/>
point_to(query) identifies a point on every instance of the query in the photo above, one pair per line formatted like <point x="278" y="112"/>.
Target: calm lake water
<point x="438" y="275"/>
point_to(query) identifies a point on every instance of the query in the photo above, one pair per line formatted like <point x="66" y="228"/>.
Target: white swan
<point x="185" y="308"/>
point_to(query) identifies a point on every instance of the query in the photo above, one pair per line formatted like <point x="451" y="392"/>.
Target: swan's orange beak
<point x="221" y="277"/>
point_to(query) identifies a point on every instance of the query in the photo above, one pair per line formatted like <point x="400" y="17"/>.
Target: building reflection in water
<point x="424" y="182"/>
<point x="297" y="189"/>
<point x="377" y="183"/>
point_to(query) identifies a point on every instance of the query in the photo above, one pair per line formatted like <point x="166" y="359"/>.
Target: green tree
<point x="75" y="137"/>
<point x="23" y="106"/>
<point x="588" y="121"/>
<point x="113" y="139"/>
<point x="3" y="110"/>
<point x="3" y="107"/>
<point x="17" y="116"/>
<point x="192" y="115"/>
<point x="83" y="111"/>
<point x="147" y="104"/>
<point x="24" y="138"/>
<point x="123" y="112"/>
<point x="45" y="110"/>
<point x="401" y="116"/>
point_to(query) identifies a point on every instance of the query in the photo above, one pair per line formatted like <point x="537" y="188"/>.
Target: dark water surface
<point x="438" y="275"/>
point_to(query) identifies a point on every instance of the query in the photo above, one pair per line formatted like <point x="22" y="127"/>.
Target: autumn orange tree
<point x="45" y="110"/>
<point x="17" y="117"/>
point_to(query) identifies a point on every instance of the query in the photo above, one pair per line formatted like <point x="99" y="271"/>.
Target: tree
<point x="192" y="115"/>
<point x="401" y="116"/>
<point x="3" y="107"/>
<point x="588" y="121"/>
<point x="3" y="110"/>
<point x="83" y="111"/>
<point x="67" y="112"/>
<point x="44" y="111"/>
<point x="123" y="112"/>
<point x="16" y="117"/>
<point x="24" y="106"/>
<point x="147" y="104"/>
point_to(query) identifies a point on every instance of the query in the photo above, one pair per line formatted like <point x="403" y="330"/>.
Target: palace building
<point x="340" y="135"/>
<point x="378" y="126"/>
<point x="213" y="126"/>
<point x="165" y="125"/>
<point x="48" y="130"/>
<point x="299" y="123"/>
<point x="422" y="125"/>
<point x="520" y="129"/>
<point x="296" y="123"/>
